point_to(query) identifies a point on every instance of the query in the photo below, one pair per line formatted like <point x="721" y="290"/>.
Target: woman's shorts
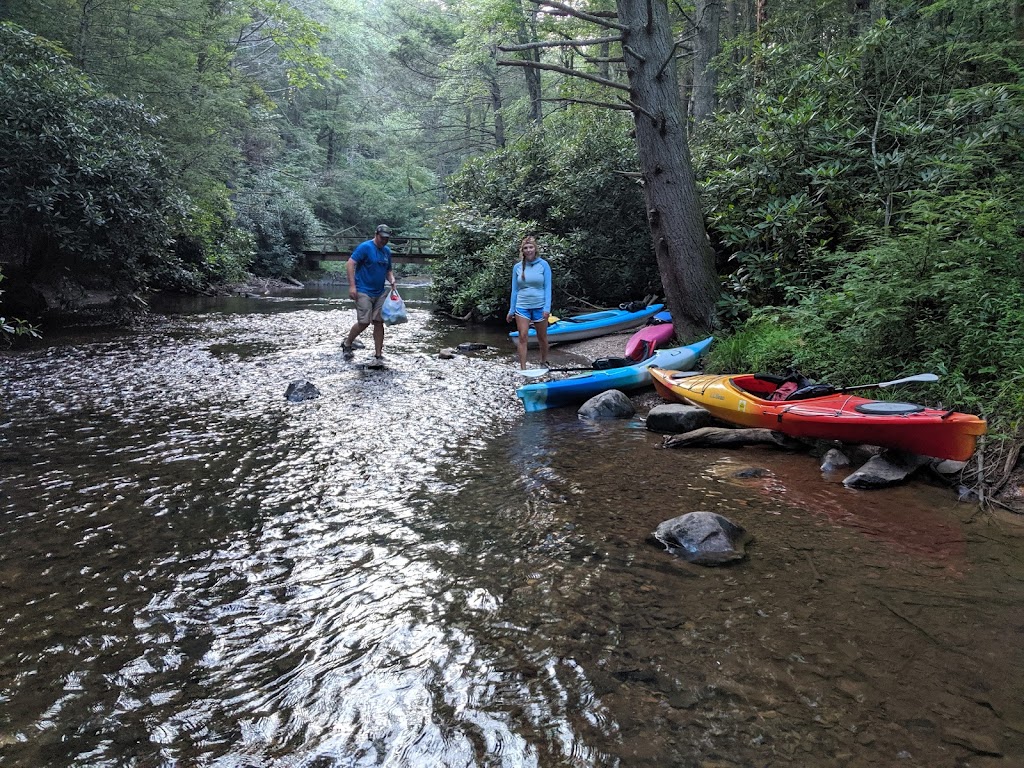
<point x="533" y="315"/>
<point x="368" y="307"/>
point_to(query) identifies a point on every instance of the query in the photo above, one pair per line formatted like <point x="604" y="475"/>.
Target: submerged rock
<point x="704" y="538"/>
<point x="300" y="390"/>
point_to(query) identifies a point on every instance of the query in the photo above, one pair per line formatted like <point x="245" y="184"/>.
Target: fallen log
<point x="719" y="437"/>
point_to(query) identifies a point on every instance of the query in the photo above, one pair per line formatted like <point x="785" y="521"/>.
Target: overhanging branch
<point x="593" y="19"/>
<point x="559" y="43"/>
<point x="563" y="70"/>
<point x="602" y="104"/>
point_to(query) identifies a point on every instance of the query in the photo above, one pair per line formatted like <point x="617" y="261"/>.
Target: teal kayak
<point x="592" y="325"/>
<point x="575" y="389"/>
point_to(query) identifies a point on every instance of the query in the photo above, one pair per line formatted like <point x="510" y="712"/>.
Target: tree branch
<point x="593" y="19"/>
<point x="562" y="70"/>
<point x="637" y="108"/>
<point x="602" y="104"/>
<point x="557" y="43"/>
<point x="633" y="53"/>
<point x="668" y="60"/>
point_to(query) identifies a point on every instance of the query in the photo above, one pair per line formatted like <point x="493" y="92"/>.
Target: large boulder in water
<point x="612" y="404"/>
<point x="675" y="418"/>
<point x="703" y="538"/>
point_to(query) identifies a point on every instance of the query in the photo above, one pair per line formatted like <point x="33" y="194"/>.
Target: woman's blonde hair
<point x="522" y="256"/>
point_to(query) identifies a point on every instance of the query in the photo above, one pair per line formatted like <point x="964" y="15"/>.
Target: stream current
<point x="410" y="571"/>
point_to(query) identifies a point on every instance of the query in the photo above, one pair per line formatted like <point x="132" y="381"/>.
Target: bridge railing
<point x="410" y="249"/>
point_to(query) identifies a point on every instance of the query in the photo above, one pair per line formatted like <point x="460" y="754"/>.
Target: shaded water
<point x="411" y="571"/>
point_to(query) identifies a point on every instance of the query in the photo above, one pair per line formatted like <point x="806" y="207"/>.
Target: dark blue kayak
<point x="592" y="325"/>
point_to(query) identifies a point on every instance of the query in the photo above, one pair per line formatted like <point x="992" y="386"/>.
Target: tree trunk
<point x="681" y="246"/>
<point x="721" y="437"/>
<point x="499" y="119"/>
<point x="705" y="78"/>
<point x="527" y="32"/>
<point x="732" y="31"/>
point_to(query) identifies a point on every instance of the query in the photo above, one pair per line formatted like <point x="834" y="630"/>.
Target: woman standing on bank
<point x="531" y="298"/>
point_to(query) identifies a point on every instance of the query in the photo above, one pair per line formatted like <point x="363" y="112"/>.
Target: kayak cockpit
<point x="767" y="387"/>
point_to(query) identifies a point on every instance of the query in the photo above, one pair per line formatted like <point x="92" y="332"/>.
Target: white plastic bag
<point x="393" y="311"/>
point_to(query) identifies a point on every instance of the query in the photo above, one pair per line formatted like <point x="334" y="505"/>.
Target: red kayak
<point x="818" y="413"/>
<point x="647" y="340"/>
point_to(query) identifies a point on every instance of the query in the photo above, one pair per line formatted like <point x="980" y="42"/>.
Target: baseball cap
<point x="384" y="229"/>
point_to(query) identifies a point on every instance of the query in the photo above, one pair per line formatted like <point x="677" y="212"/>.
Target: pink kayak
<point x="644" y="342"/>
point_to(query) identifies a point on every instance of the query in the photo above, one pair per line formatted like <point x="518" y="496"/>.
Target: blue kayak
<point x="576" y="389"/>
<point x="592" y="325"/>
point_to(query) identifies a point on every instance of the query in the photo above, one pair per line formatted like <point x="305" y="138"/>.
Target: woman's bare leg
<point x="542" y="339"/>
<point x="523" y="326"/>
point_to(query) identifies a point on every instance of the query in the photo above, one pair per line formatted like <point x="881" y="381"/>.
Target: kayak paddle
<point x="601" y="364"/>
<point x="922" y="377"/>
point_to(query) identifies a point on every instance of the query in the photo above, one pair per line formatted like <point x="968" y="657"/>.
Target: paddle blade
<point x="921" y="377"/>
<point x="533" y="373"/>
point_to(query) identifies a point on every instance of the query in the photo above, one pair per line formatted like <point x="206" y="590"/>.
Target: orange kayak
<point x="744" y="400"/>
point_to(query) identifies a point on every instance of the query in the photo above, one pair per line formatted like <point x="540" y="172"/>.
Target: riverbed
<point x="410" y="571"/>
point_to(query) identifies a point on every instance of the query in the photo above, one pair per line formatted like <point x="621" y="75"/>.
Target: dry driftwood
<point x="718" y="437"/>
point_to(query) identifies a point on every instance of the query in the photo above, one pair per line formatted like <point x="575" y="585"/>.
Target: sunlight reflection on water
<point x="263" y="577"/>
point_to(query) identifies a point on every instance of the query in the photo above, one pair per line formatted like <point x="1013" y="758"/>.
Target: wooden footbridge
<point x="404" y="249"/>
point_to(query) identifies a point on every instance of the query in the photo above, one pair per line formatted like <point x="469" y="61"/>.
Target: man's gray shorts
<point x="368" y="308"/>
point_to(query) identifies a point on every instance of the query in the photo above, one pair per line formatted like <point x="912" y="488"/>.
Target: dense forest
<point x="834" y="186"/>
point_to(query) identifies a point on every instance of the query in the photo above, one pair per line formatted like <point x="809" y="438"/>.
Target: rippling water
<point x="409" y="571"/>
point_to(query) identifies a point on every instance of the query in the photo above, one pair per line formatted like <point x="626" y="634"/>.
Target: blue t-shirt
<point x="372" y="267"/>
<point x="532" y="290"/>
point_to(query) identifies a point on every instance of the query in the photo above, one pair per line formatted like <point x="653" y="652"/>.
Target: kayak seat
<point x="811" y="390"/>
<point x="795" y="386"/>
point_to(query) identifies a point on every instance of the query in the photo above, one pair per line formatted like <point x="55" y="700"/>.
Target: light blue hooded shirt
<point x="532" y="290"/>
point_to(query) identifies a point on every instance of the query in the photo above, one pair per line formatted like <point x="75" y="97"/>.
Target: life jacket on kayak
<point x="795" y="386"/>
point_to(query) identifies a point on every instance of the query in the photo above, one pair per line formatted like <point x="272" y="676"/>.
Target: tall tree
<point x="642" y="29"/>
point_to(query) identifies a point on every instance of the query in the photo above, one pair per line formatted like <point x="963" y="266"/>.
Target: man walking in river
<point x="369" y="267"/>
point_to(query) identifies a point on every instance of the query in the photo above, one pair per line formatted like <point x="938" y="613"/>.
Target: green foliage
<point x="944" y="297"/>
<point x="12" y="327"/>
<point x="865" y="203"/>
<point x="833" y="151"/>
<point x="764" y="344"/>
<point x="280" y="221"/>
<point x="211" y="249"/>
<point x="81" y="187"/>
<point x="476" y="276"/>
<point x="569" y="185"/>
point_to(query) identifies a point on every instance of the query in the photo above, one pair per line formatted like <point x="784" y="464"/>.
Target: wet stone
<point x="883" y="471"/>
<point x="833" y="460"/>
<point x="300" y="390"/>
<point x="676" y="418"/>
<point x="978" y="743"/>
<point x="704" y="538"/>
<point x="750" y="473"/>
<point x="612" y="404"/>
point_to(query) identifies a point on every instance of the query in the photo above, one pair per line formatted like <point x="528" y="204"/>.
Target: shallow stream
<point x="410" y="571"/>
